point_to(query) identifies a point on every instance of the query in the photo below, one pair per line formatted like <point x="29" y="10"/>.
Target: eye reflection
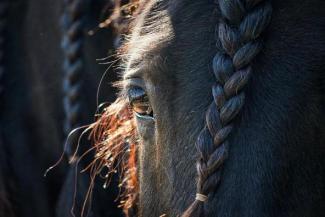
<point x="139" y="102"/>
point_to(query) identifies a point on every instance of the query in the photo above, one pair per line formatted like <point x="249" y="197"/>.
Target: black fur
<point x="276" y="165"/>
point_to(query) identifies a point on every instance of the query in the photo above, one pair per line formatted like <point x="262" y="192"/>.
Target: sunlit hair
<point x="114" y="138"/>
<point x="113" y="134"/>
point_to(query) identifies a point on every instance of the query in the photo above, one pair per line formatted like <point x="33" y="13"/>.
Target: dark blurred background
<point x="49" y="77"/>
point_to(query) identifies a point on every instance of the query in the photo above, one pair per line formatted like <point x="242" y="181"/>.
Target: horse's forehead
<point x="152" y="32"/>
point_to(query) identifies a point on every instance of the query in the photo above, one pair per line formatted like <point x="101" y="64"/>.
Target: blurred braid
<point x="72" y="45"/>
<point x="242" y="23"/>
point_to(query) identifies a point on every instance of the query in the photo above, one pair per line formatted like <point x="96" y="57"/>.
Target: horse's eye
<point x="139" y="102"/>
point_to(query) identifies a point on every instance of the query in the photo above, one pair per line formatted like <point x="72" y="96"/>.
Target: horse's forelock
<point x="114" y="141"/>
<point x="151" y="30"/>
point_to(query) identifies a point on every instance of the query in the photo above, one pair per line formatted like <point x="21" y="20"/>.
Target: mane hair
<point x="113" y="133"/>
<point x="239" y="42"/>
<point x="73" y="67"/>
<point x="114" y="138"/>
<point x="120" y="13"/>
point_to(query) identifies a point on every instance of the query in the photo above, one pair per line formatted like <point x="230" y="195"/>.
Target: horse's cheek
<point x="145" y="130"/>
<point x="146" y="163"/>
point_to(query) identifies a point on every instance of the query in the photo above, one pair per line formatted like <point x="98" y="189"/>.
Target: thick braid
<point x="72" y="45"/>
<point x="239" y="31"/>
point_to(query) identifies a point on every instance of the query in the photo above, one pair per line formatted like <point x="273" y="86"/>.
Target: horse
<point x="32" y="113"/>
<point x="221" y="110"/>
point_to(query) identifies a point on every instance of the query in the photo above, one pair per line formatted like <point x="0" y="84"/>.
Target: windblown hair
<point x="113" y="133"/>
<point x="120" y="13"/>
<point x="114" y="137"/>
<point x="239" y="42"/>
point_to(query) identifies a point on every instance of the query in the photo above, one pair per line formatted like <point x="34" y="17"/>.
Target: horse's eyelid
<point x="133" y="82"/>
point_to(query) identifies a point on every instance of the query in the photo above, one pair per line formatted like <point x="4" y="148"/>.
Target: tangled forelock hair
<point x="114" y="138"/>
<point x="239" y="42"/>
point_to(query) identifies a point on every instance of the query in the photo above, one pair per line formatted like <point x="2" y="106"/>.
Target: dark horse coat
<point x="275" y="164"/>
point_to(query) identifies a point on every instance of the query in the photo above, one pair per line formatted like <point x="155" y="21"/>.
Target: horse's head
<point x="168" y="84"/>
<point x="185" y="88"/>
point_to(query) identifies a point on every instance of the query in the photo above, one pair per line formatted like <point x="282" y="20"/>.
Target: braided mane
<point x="239" y="42"/>
<point x="72" y="46"/>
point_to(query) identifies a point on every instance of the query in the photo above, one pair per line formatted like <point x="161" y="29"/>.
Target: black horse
<point x="32" y="113"/>
<point x="233" y="88"/>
